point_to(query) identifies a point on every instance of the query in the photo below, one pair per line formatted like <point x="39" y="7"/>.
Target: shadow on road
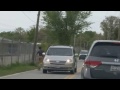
<point x="56" y="72"/>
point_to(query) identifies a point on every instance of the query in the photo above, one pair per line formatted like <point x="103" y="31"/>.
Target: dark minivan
<point x="103" y="61"/>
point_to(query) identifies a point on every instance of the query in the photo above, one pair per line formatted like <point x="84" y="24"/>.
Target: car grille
<point x="58" y="62"/>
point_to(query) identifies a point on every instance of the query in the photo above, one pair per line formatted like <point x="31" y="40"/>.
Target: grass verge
<point x="16" y="68"/>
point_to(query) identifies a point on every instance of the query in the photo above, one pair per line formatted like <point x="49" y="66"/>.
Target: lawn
<point x="16" y="68"/>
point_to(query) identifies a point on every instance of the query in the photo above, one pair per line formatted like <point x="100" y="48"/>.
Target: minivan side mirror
<point x="43" y="53"/>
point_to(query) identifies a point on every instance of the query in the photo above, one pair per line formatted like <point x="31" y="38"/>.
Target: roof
<point x="1" y="38"/>
<point x="84" y="50"/>
<point x="61" y="46"/>
<point x="106" y="41"/>
<point x="5" y="40"/>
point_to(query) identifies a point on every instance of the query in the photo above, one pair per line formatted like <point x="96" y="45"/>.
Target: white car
<point x="60" y="58"/>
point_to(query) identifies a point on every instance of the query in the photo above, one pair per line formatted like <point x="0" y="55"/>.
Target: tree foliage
<point x="30" y="34"/>
<point x="110" y="26"/>
<point x="63" y="25"/>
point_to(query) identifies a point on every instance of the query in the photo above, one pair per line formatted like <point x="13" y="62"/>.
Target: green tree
<point x="85" y="39"/>
<point x="110" y="27"/>
<point x="8" y="35"/>
<point x="30" y="34"/>
<point x="20" y="34"/>
<point x="63" y="25"/>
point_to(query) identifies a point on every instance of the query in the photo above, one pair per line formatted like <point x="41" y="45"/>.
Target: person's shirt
<point x="40" y="52"/>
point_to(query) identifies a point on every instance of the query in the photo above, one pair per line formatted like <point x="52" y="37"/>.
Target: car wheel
<point x="75" y="70"/>
<point x="72" y="71"/>
<point x="82" y="77"/>
<point x="44" y="71"/>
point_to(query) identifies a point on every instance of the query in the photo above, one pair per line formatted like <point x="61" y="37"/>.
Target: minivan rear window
<point x="106" y="49"/>
<point x="60" y="51"/>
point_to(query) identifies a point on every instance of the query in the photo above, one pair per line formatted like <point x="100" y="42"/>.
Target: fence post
<point x="24" y="52"/>
<point x="2" y="60"/>
<point x="2" y="51"/>
<point x="25" y="45"/>
<point x="19" y="51"/>
<point x="11" y="51"/>
<point x="31" y="51"/>
<point x="28" y="52"/>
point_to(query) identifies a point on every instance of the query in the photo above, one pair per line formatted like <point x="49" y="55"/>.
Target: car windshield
<point x="60" y="51"/>
<point x="110" y="50"/>
<point x="82" y="56"/>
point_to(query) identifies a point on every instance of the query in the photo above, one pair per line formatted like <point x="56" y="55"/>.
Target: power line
<point x="28" y="17"/>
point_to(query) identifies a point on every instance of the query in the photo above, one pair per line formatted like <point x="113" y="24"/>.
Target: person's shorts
<point x="40" y="58"/>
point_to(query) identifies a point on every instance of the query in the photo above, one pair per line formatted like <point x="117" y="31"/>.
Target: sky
<point x="10" y="20"/>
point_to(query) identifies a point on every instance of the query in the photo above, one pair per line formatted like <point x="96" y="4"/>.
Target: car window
<point x="82" y="56"/>
<point x="111" y="50"/>
<point x="60" y="51"/>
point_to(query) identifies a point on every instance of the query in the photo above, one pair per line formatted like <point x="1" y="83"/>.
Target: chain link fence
<point x="15" y="52"/>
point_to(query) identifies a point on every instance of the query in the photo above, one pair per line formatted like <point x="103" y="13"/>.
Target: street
<point x="35" y="74"/>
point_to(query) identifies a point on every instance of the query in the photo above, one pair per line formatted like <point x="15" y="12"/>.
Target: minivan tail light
<point x="92" y="63"/>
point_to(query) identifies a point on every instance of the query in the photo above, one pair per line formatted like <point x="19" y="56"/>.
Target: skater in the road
<point x="41" y="56"/>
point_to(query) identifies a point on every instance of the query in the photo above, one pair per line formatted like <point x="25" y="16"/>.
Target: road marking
<point x="72" y="76"/>
<point x="67" y="76"/>
<point x="15" y="74"/>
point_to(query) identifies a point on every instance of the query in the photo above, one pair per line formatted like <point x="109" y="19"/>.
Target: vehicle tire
<point x="44" y="71"/>
<point x="75" y="70"/>
<point x="82" y="77"/>
<point x="72" y="71"/>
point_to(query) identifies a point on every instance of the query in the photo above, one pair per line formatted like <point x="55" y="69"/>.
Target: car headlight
<point x="46" y="60"/>
<point x="69" y="61"/>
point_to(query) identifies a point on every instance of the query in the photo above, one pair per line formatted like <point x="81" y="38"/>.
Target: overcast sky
<point x="9" y="20"/>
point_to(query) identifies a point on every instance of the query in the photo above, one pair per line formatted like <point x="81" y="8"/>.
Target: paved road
<point x="35" y="74"/>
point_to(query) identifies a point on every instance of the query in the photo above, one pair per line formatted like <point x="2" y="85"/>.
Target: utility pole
<point x="119" y="31"/>
<point x="35" y="37"/>
<point x="74" y="40"/>
<point x="80" y="40"/>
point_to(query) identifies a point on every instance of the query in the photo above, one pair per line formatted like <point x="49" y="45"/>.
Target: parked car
<point x="103" y="61"/>
<point x="60" y="58"/>
<point x="83" y="54"/>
